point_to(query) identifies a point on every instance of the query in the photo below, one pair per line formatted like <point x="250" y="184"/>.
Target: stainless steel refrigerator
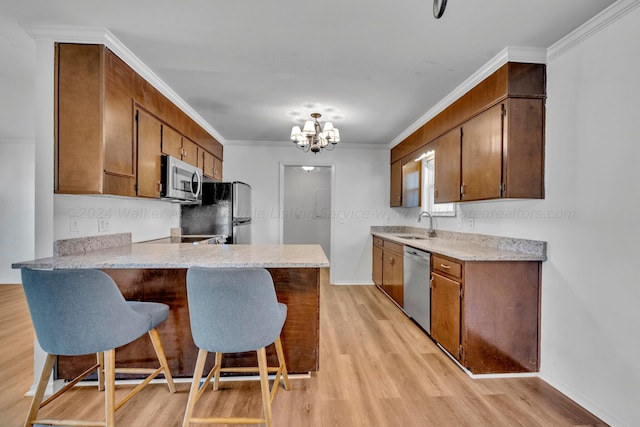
<point x="225" y="211"/>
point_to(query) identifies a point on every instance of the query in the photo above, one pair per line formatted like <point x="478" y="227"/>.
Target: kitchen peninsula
<point x="157" y="272"/>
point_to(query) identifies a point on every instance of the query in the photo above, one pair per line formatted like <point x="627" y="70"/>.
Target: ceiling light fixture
<point x="312" y="138"/>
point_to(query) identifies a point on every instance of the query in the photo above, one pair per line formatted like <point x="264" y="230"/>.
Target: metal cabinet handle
<point x="445" y="266"/>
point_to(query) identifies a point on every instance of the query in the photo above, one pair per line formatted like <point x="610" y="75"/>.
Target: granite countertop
<point x="466" y="246"/>
<point x="185" y="255"/>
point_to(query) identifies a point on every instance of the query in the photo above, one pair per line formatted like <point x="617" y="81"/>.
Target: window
<point x="439" y="209"/>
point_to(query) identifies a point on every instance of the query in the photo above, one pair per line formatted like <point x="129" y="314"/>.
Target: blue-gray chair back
<point x="81" y="311"/>
<point x="233" y="309"/>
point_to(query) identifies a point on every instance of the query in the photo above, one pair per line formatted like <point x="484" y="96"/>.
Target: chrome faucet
<point x="432" y="232"/>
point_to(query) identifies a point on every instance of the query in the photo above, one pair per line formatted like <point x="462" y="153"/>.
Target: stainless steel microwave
<point x="181" y="182"/>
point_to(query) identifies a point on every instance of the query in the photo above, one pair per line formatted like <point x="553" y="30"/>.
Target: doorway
<point x="306" y="205"/>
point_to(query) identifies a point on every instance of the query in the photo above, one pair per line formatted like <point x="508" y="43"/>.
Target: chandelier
<point x="311" y="138"/>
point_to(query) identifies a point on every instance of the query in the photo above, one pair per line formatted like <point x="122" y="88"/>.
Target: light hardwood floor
<point x="376" y="369"/>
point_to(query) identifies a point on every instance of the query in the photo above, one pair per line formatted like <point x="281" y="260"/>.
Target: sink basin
<point x="412" y="236"/>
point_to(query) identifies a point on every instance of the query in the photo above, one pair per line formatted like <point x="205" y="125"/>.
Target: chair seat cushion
<point x="156" y="311"/>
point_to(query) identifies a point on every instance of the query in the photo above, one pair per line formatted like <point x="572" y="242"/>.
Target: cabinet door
<point x="482" y="155"/>
<point x="79" y="166"/>
<point x="207" y="164"/>
<point x="412" y="184"/>
<point x="377" y="260"/>
<point x="211" y="166"/>
<point x="190" y="153"/>
<point x="395" y="192"/>
<point x="119" y="150"/>
<point x="171" y="142"/>
<point x="445" y="313"/>
<point x="447" y="168"/>
<point x="149" y="139"/>
<point x="217" y="169"/>
<point x="392" y="276"/>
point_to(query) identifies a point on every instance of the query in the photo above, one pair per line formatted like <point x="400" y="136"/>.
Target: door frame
<point x="332" y="224"/>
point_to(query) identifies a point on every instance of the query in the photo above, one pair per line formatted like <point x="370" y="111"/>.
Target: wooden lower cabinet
<point x="486" y="313"/>
<point x="298" y="288"/>
<point x="388" y="268"/>
<point x="445" y="319"/>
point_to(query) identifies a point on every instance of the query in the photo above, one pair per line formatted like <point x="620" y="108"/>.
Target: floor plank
<point x="377" y="368"/>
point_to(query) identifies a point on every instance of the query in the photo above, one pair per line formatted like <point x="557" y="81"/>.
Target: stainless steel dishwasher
<point x="417" y="292"/>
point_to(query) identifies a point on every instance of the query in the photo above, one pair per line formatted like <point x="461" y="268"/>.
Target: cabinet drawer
<point x="446" y="266"/>
<point x="378" y="241"/>
<point x="393" y="247"/>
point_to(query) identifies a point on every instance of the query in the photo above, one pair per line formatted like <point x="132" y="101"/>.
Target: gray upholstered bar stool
<point x="234" y="310"/>
<point x="77" y="312"/>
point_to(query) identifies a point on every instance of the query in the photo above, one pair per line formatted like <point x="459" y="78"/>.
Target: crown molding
<point x="533" y="55"/>
<point x="90" y="35"/>
<point x="591" y="27"/>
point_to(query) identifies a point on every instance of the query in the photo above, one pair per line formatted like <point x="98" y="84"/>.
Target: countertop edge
<point x="461" y="251"/>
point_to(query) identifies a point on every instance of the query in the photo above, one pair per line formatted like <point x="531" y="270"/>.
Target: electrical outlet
<point x="103" y="224"/>
<point x="470" y="223"/>
<point x="73" y="223"/>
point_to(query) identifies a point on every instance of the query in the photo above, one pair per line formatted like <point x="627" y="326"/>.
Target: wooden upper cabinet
<point x="211" y="166"/>
<point x="447" y="167"/>
<point x="96" y="99"/>
<point x="171" y="142"/>
<point x="482" y="155"/>
<point x="395" y="179"/>
<point x="94" y="140"/>
<point x="502" y="144"/>
<point x="176" y="145"/>
<point x="149" y="139"/>
<point x="523" y="149"/>
<point x="190" y="153"/>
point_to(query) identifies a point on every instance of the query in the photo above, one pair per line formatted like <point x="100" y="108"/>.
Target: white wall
<point x="78" y="216"/>
<point x="16" y="206"/>
<point x="361" y="197"/>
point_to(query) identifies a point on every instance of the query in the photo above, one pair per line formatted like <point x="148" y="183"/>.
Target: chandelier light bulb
<point x="315" y="138"/>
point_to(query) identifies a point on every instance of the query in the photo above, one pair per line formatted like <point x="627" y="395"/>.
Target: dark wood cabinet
<point x="149" y="141"/>
<point x="447" y="167"/>
<point x="211" y="166"/>
<point x="97" y="99"/>
<point x="486" y="313"/>
<point x="395" y="199"/>
<point x="501" y="140"/>
<point x="94" y="137"/>
<point x="445" y="315"/>
<point x="482" y="155"/>
<point x="388" y="268"/>
<point x="377" y="259"/>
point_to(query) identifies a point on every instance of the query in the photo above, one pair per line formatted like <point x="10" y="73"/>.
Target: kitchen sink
<point x="412" y="236"/>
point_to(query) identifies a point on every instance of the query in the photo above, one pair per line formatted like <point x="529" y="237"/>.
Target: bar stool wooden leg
<point x="195" y="391"/>
<point x="218" y="367"/>
<point x="283" y="365"/>
<point x="264" y="384"/>
<point x="100" y="361"/>
<point x="40" y="389"/>
<point x="157" y="346"/>
<point x="110" y="386"/>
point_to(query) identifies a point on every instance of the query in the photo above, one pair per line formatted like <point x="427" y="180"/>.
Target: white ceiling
<point x="253" y="68"/>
